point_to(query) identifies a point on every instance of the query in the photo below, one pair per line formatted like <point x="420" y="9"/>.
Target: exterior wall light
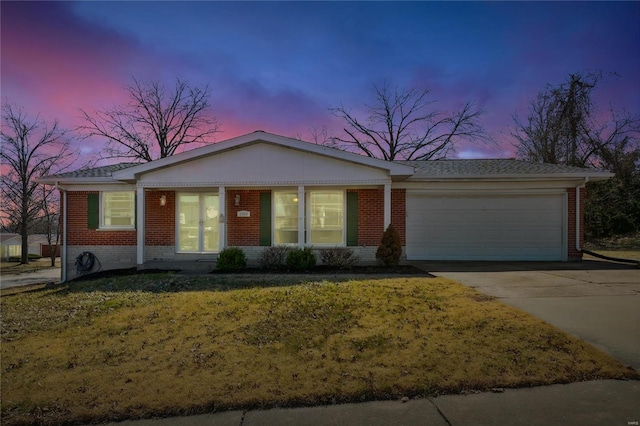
<point x="163" y="200"/>
<point x="237" y="199"/>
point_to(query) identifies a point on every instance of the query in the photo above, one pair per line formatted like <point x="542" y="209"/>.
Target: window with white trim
<point x="285" y="225"/>
<point x="118" y="210"/>
<point x="324" y="217"/>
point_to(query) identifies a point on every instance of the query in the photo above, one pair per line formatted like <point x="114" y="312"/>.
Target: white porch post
<point x="301" y="215"/>
<point x="222" y="226"/>
<point x="140" y="220"/>
<point x="387" y="205"/>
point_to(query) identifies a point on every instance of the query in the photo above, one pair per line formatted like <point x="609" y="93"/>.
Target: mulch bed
<point x="325" y="270"/>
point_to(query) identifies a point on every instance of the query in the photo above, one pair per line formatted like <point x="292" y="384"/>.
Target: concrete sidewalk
<point x="606" y="402"/>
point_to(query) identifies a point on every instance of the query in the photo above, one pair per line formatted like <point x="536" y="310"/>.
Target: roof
<point x="413" y="170"/>
<point x="494" y="168"/>
<point x="7" y="239"/>
<point x="96" y="172"/>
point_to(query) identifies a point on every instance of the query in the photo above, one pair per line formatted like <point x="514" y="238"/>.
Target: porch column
<point x="222" y="216"/>
<point x="140" y="220"/>
<point x="301" y="215"/>
<point x="387" y="205"/>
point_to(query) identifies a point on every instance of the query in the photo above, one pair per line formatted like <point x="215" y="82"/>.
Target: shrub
<point x="389" y="250"/>
<point x="301" y="259"/>
<point x="339" y="257"/>
<point x="231" y="259"/>
<point x="274" y="257"/>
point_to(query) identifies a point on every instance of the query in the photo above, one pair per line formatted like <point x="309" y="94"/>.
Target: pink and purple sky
<point x="279" y="66"/>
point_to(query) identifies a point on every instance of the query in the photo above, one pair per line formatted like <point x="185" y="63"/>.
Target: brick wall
<point x="571" y="234"/>
<point x="243" y="231"/>
<point x="79" y="232"/>
<point x="399" y="213"/>
<point x="160" y="226"/>
<point x="370" y="216"/>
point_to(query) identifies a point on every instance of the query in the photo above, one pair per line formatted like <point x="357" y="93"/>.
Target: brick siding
<point x="399" y="213"/>
<point x="243" y="231"/>
<point x="370" y="216"/>
<point x="160" y="225"/>
<point x="79" y="232"/>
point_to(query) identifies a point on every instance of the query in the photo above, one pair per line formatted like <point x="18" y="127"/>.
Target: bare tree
<point x="50" y="221"/>
<point x="401" y="125"/>
<point x="564" y="127"/>
<point x="30" y="149"/>
<point x="559" y="122"/>
<point x="154" y="123"/>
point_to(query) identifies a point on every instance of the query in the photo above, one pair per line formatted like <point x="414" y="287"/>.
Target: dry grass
<point x="620" y="254"/>
<point x="133" y="347"/>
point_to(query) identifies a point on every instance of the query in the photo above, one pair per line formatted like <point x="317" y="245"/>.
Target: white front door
<point x="198" y="224"/>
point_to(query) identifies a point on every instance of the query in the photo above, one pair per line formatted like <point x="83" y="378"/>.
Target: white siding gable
<point x="264" y="164"/>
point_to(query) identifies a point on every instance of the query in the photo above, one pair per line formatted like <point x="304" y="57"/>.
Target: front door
<point x="198" y="223"/>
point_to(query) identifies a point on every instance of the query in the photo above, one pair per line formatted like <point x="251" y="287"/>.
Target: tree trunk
<point x="25" y="244"/>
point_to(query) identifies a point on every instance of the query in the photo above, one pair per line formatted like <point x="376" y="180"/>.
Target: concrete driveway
<point x="38" y="277"/>
<point x="599" y="302"/>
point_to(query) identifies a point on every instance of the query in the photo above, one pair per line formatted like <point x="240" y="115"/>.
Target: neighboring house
<point x="261" y="189"/>
<point x="39" y="244"/>
<point x="10" y="245"/>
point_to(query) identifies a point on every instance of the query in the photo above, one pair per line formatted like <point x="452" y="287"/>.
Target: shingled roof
<point x="493" y="168"/>
<point x="95" y="172"/>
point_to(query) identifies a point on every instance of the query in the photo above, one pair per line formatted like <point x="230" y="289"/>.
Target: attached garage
<point x="486" y="226"/>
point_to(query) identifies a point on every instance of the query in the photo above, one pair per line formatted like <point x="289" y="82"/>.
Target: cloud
<point x="61" y="62"/>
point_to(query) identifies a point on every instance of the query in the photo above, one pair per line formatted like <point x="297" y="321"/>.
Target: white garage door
<point x="485" y="227"/>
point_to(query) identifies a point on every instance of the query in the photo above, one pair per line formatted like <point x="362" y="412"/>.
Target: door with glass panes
<point x="198" y="223"/>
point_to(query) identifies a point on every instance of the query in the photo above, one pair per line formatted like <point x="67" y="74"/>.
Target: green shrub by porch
<point x="299" y="259"/>
<point x="231" y="259"/>
<point x="389" y="250"/>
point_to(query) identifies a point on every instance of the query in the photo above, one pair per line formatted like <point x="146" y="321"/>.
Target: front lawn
<point x="160" y="345"/>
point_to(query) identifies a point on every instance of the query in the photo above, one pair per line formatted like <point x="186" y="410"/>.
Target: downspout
<point x="582" y="185"/>
<point x="63" y="254"/>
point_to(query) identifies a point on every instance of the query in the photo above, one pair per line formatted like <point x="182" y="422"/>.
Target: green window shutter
<point x="265" y="218"/>
<point x="352" y="218"/>
<point x="93" y="211"/>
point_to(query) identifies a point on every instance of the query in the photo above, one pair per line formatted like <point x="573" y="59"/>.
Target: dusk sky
<point x="279" y="66"/>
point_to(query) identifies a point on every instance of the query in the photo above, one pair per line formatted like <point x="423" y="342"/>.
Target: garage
<point x="486" y="227"/>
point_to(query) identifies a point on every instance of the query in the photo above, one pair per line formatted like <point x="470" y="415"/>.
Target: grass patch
<point x="160" y="345"/>
<point x="620" y="254"/>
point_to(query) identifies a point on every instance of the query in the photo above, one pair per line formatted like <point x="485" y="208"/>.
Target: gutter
<point x="582" y="185"/>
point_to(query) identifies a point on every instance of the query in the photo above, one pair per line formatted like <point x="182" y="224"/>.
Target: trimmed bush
<point x="339" y="257"/>
<point x="389" y="250"/>
<point x="274" y="257"/>
<point x="301" y="259"/>
<point x="231" y="259"/>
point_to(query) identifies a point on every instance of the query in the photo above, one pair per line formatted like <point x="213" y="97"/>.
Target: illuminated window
<point x="118" y="210"/>
<point x="326" y="217"/>
<point x="285" y="226"/>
